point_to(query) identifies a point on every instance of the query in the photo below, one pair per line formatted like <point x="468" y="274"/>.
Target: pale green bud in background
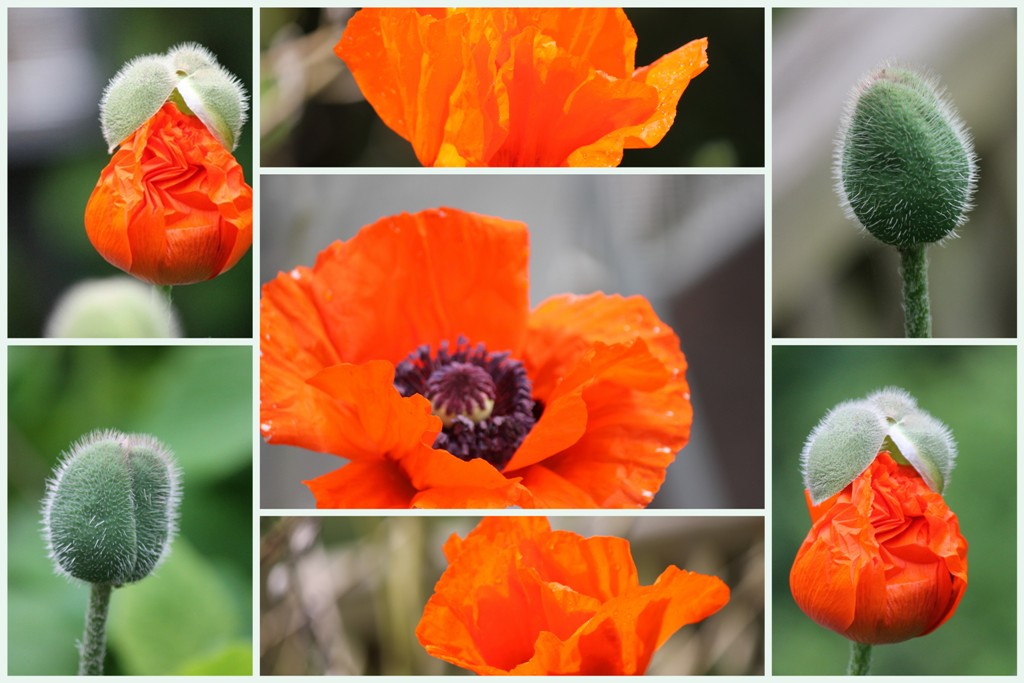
<point x="114" y="307"/>
<point x="111" y="508"/>
<point x="189" y="74"/>
<point x="847" y="440"/>
<point x="905" y="165"/>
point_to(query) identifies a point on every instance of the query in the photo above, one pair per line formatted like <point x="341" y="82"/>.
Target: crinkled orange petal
<point x="558" y="103"/>
<point x="366" y="484"/>
<point x="414" y="279"/>
<point x="172" y="207"/>
<point x="444" y="481"/>
<point x="637" y="419"/>
<point x="411" y="63"/>
<point x="366" y="416"/>
<point x="621" y="638"/>
<point x="669" y="76"/>
<point x="552" y="490"/>
<point x="884" y="560"/>
<point x="513" y="86"/>
<point x="600" y="36"/>
<point x="518" y="598"/>
<point x="563" y="328"/>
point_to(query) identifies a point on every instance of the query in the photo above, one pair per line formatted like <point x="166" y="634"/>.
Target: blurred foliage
<point x="194" y="614"/>
<point x="970" y="389"/>
<point x="52" y="172"/>
<point x="343" y="595"/>
<point x="313" y="114"/>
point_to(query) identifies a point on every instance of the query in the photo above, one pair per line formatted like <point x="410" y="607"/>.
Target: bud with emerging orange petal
<point x="172" y="207"/>
<point x="884" y="560"/>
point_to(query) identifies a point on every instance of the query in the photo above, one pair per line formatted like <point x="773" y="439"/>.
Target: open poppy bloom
<point x="411" y="350"/>
<point x="518" y="598"/>
<point x="172" y="207"/>
<point x="515" y="86"/>
<point x="884" y="560"/>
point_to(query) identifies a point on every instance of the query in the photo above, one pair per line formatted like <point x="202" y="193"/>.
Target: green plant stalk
<point x="166" y="291"/>
<point x="860" y="659"/>
<point x="94" y="643"/>
<point x="914" y="271"/>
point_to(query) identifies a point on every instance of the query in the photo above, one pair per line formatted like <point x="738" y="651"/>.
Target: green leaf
<point x="45" y="612"/>
<point x="181" y="613"/>
<point x="201" y="406"/>
<point x="234" y="659"/>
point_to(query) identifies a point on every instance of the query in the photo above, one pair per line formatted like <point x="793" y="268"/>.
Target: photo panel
<point x="905" y="457"/>
<point x="631" y="307"/>
<point x="640" y="86"/>
<point x="129" y="150"/>
<point x="894" y="161"/>
<point x="130" y="467"/>
<point x="428" y="595"/>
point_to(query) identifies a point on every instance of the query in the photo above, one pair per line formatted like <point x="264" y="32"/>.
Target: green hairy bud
<point x="114" y="307"/>
<point x="188" y="74"/>
<point x="111" y="508"/>
<point x="850" y="436"/>
<point x="905" y="165"/>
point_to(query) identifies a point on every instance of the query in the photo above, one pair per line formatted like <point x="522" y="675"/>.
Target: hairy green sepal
<point x="189" y="75"/>
<point x="851" y="435"/>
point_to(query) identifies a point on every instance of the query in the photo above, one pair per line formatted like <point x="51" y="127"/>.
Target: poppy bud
<point x="172" y="207"/>
<point x="113" y="307"/>
<point x="849" y="437"/>
<point x="905" y="165"/>
<point x="111" y="508"/>
<point x="884" y="560"/>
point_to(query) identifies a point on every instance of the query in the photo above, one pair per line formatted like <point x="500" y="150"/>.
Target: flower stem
<point x="914" y="270"/>
<point x="94" y="643"/>
<point x="166" y="291"/>
<point x="860" y="659"/>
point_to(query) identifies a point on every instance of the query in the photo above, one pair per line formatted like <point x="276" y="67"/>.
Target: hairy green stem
<point x="166" y="291"/>
<point x="860" y="659"/>
<point x="94" y="643"/>
<point x="914" y="270"/>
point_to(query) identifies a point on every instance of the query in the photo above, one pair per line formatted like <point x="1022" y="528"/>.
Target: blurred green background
<point x="194" y="614"/>
<point x="972" y="389"/>
<point x="312" y="113"/>
<point x="59" y="61"/>
<point x="829" y="277"/>
<point x="343" y="595"/>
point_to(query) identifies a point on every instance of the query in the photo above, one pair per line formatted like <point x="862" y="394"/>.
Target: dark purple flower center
<point x="482" y="398"/>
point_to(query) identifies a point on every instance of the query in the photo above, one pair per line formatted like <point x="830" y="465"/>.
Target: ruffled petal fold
<point x="520" y="599"/>
<point x="515" y="86"/>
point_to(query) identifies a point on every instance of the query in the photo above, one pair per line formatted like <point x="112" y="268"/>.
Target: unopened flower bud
<point x="851" y="435"/>
<point x="905" y="165"/>
<point x="114" y="307"/>
<point x="111" y="508"/>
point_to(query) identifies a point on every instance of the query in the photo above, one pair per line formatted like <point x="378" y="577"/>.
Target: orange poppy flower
<point x="515" y="86"/>
<point x="884" y="560"/>
<point x="172" y="207"/>
<point x="411" y="350"/>
<point x="518" y="598"/>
